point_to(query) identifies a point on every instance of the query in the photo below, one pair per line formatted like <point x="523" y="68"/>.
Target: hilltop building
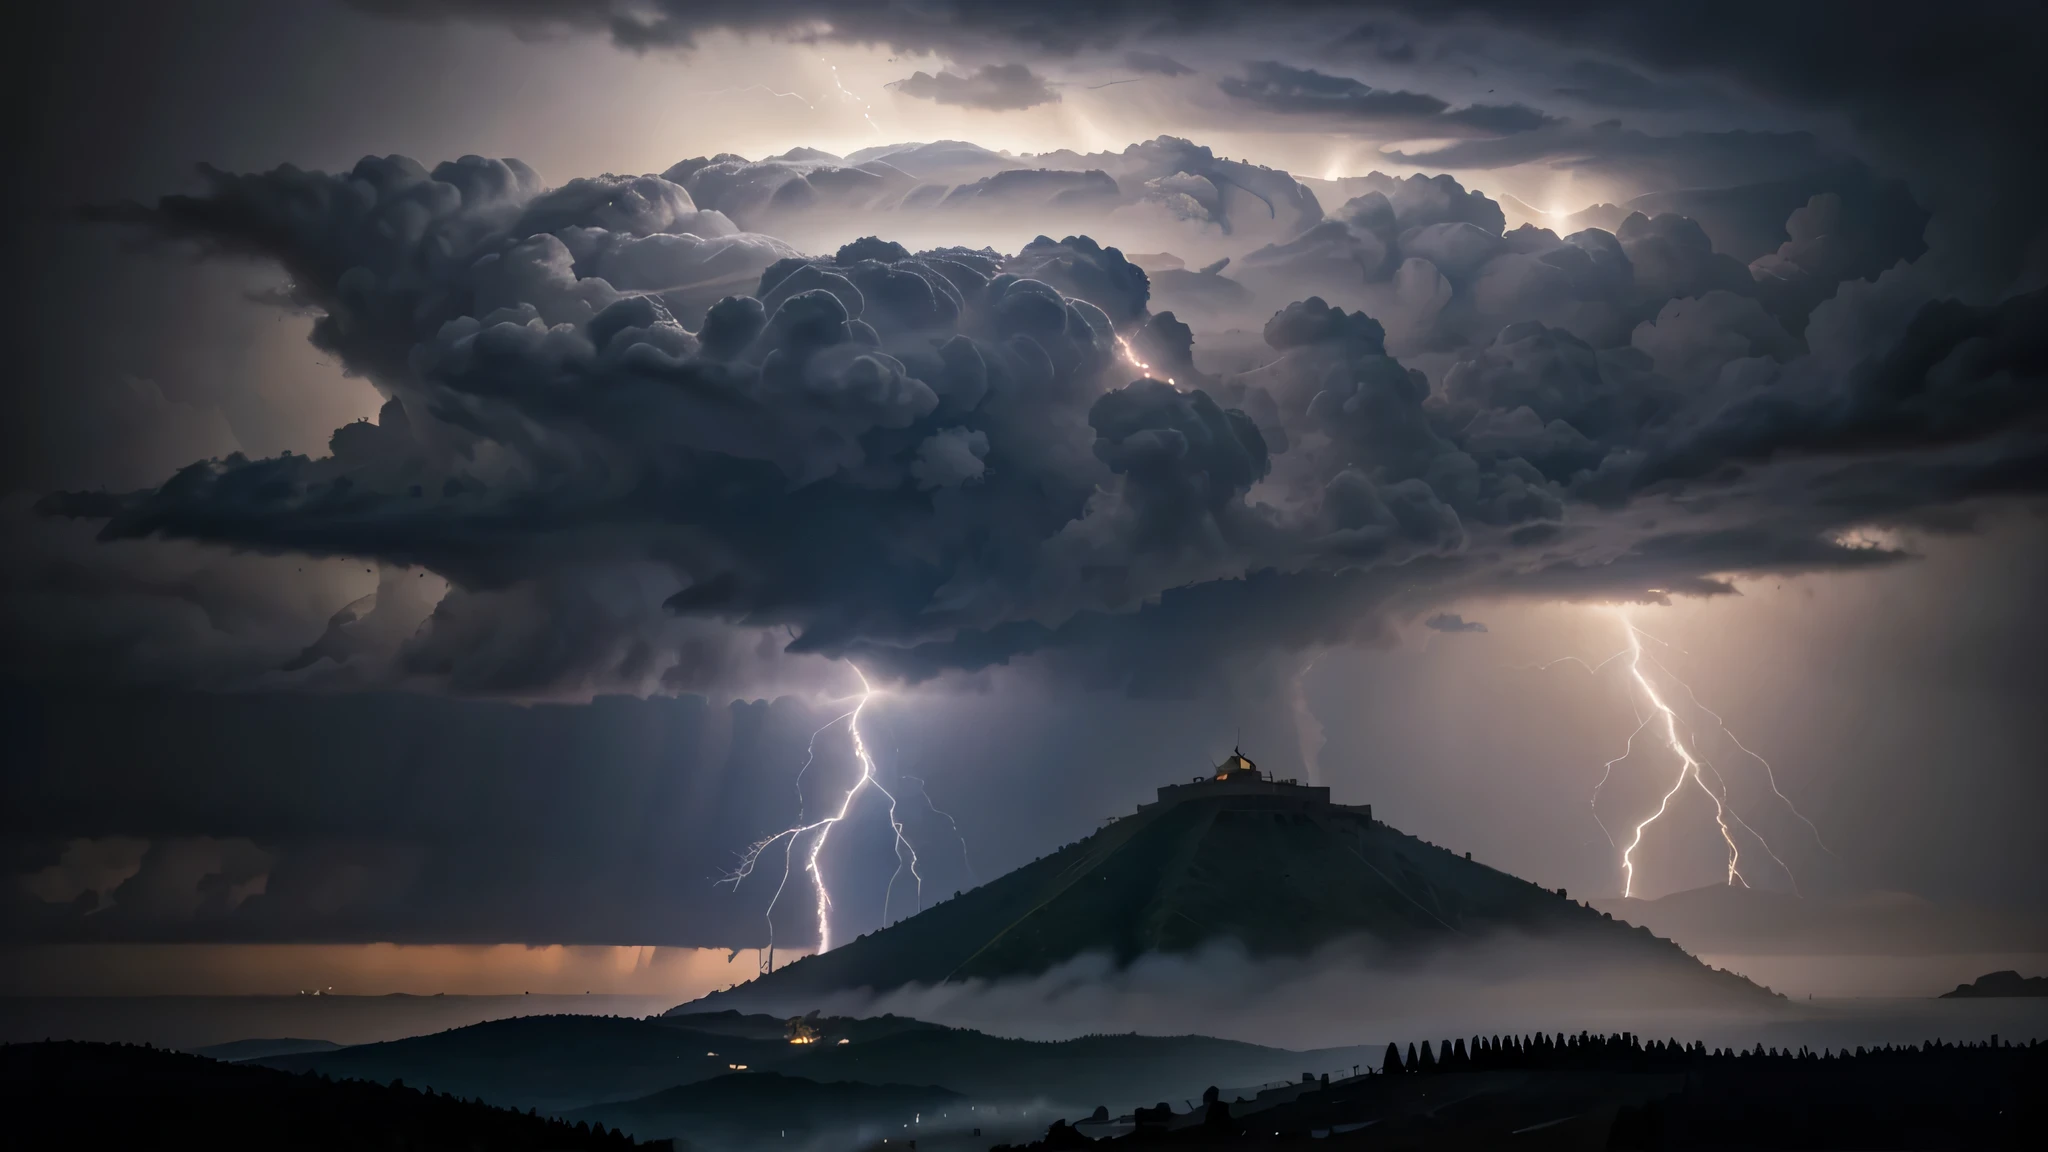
<point x="1237" y="776"/>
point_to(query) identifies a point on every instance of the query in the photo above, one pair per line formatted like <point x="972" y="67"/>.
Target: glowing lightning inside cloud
<point x="820" y="831"/>
<point x="1132" y="356"/>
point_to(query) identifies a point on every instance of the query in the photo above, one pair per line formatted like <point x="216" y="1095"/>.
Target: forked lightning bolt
<point x="1665" y="723"/>
<point x="820" y="831"/>
<point x="1689" y="768"/>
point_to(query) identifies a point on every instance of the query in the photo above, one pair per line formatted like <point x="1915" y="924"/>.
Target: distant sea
<point x="196" y="1021"/>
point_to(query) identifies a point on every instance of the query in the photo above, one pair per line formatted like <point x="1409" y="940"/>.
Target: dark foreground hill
<point x="745" y="1107"/>
<point x="1617" y="1092"/>
<point x="1274" y="867"/>
<point x="562" y="1063"/>
<point x="83" y="1095"/>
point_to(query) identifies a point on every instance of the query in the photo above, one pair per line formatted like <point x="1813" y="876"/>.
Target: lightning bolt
<point x="952" y="823"/>
<point x="756" y="88"/>
<point x="845" y="95"/>
<point x="1689" y="769"/>
<point x="1132" y="356"/>
<point x="1677" y="735"/>
<point x="820" y="831"/>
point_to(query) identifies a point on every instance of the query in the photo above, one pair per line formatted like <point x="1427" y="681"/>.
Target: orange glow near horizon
<point x="369" y="970"/>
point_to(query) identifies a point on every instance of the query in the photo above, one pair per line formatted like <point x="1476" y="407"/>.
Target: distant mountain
<point x="1720" y="918"/>
<point x="1272" y="865"/>
<point x="235" y="1050"/>
<point x="2000" y="984"/>
<point x="746" y="1106"/>
<point x="119" y="1096"/>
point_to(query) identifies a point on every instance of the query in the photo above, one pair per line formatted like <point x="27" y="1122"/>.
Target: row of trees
<point x="1627" y="1052"/>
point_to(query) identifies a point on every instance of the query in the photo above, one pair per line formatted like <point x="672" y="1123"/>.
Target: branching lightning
<point x="1689" y="768"/>
<point x="950" y="822"/>
<point x="820" y="831"/>
<point x="1675" y="734"/>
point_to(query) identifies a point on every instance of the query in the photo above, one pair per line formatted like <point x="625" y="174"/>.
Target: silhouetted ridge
<point x="1622" y="1092"/>
<point x="119" y="1095"/>
<point x="1996" y="984"/>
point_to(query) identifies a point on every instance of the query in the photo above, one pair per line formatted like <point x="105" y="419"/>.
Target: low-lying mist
<point x="1355" y="992"/>
<point x="1346" y="993"/>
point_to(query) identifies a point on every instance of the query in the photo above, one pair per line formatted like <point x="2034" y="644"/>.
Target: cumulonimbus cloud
<point x="948" y="459"/>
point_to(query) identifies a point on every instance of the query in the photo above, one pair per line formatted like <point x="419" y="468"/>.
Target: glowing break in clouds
<point x="1668" y="728"/>
<point x="819" y="831"/>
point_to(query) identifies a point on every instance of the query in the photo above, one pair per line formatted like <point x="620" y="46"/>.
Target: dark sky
<point x="408" y="549"/>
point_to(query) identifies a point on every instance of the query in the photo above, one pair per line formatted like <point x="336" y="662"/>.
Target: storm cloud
<point x="1958" y="110"/>
<point x="948" y="459"/>
<point x="992" y="87"/>
<point x="1275" y="87"/>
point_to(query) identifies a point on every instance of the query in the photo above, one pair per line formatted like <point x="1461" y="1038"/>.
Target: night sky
<point x="442" y="506"/>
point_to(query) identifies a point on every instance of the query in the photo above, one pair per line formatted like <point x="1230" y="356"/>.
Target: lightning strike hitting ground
<point x="1678" y="736"/>
<point x="820" y="831"/>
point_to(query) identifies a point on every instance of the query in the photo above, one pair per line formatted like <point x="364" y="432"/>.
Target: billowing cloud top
<point x="615" y="420"/>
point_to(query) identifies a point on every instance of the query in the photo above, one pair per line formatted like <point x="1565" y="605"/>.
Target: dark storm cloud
<point x="604" y="823"/>
<point x="1155" y="64"/>
<point x="1452" y="622"/>
<point x="992" y="88"/>
<point x="943" y="460"/>
<point x="1274" y="87"/>
<point x="1610" y="85"/>
<point x="1959" y="110"/>
<point x="1685" y="159"/>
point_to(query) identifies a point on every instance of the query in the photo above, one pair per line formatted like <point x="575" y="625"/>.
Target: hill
<point x="747" y="1106"/>
<point x="1270" y="864"/>
<point x="1620" y="1092"/>
<point x="84" y="1095"/>
<point x="563" y="1063"/>
<point x="255" y="1049"/>
<point x="552" y="1063"/>
<point x="2000" y="984"/>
